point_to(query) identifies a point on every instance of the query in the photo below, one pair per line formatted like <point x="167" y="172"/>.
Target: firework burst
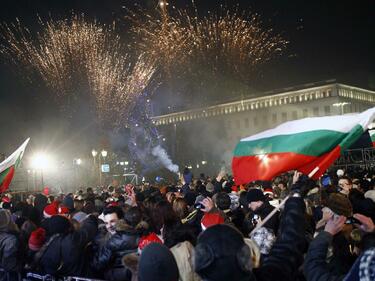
<point x="227" y="42"/>
<point x="75" y="57"/>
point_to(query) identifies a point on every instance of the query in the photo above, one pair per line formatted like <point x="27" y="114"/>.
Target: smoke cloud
<point x="164" y="159"/>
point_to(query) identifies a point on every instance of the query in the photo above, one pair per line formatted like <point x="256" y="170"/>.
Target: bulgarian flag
<point x="372" y="136"/>
<point x="308" y="145"/>
<point x="8" y="166"/>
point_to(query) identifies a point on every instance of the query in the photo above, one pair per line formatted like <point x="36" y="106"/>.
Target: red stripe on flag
<point x="7" y="180"/>
<point x="323" y="162"/>
<point x="265" y="167"/>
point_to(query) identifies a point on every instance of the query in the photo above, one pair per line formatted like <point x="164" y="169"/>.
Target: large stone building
<point x="207" y="136"/>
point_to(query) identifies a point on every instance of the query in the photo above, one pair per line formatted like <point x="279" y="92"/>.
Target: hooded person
<point x="64" y="252"/>
<point x="222" y="254"/>
<point x="11" y="261"/>
<point x="157" y="263"/>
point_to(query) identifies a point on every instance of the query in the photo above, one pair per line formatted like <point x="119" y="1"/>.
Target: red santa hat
<point x="148" y="239"/>
<point x="211" y="219"/>
<point x="37" y="239"/>
<point x="63" y="210"/>
<point x="51" y="210"/>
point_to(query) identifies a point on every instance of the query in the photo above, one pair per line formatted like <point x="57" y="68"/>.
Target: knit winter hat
<point x="63" y="210"/>
<point x="68" y="202"/>
<point x="367" y="266"/>
<point x="254" y="195"/>
<point x="157" y="264"/>
<point x="147" y="240"/>
<point x="221" y="254"/>
<point x="340" y="205"/>
<point x="57" y="224"/>
<point x="264" y="238"/>
<point x="211" y="219"/>
<point x="50" y="210"/>
<point x="37" y="239"/>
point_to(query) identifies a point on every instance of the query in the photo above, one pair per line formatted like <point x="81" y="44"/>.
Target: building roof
<point x="291" y="95"/>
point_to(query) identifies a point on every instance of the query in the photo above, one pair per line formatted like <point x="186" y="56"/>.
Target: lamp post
<point x="94" y="153"/>
<point x="77" y="162"/>
<point x="104" y="154"/>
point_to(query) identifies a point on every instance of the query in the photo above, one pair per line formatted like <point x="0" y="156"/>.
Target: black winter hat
<point x="157" y="264"/>
<point x="57" y="224"/>
<point x="254" y="195"/>
<point x="221" y="254"/>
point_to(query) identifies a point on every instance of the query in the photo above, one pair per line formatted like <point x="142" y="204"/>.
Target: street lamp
<point x="341" y="104"/>
<point x="104" y="154"/>
<point x="40" y="161"/>
<point x="94" y="153"/>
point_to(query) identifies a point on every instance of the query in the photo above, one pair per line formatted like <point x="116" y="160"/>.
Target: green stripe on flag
<point x="312" y="143"/>
<point x="3" y="174"/>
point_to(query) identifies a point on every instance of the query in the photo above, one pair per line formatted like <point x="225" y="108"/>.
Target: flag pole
<point x="282" y="203"/>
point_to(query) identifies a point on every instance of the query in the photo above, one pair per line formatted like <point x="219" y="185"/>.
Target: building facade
<point x="208" y="135"/>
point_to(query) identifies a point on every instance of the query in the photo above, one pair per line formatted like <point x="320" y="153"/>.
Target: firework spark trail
<point x="75" y="57"/>
<point x="225" y="40"/>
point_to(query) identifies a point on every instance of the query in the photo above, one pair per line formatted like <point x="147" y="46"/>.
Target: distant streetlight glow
<point x="79" y="161"/>
<point x="104" y="153"/>
<point x="94" y="153"/>
<point x="40" y="161"/>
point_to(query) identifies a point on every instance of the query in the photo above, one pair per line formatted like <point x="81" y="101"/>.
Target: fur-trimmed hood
<point x="122" y="226"/>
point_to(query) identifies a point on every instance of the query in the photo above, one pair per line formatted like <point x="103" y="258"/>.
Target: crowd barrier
<point x="30" y="276"/>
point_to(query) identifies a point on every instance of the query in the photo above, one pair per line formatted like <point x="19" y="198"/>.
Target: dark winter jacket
<point x="65" y="254"/>
<point x="262" y="212"/>
<point x="286" y="254"/>
<point x="315" y="267"/>
<point x="10" y="256"/>
<point x="108" y="259"/>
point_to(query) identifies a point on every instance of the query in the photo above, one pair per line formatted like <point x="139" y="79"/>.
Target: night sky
<point x="328" y="39"/>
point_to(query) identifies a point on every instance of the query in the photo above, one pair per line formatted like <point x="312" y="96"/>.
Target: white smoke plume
<point x="163" y="157"/>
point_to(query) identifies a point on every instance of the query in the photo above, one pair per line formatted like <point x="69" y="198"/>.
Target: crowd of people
<point x="201" y="228"/>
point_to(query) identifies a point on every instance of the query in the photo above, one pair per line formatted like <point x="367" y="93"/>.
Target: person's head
<point x="345" y="185"/>
<point x="78" y="203"/>
<point x="282" y="186"/>
<point x="58" y="225"/>
<point x="6" y="222"/>
<point x="255" y="198"/>
<point x="222" y="254"/>
<point x="223" y="201"/>
<point x="133" y="216"/>
<point x="163" y="214"/>
<point x="180" y="207"/>
<point x="157" y="263"/>
<point x="339" y="205"/>
<point x="111" y="216"/>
